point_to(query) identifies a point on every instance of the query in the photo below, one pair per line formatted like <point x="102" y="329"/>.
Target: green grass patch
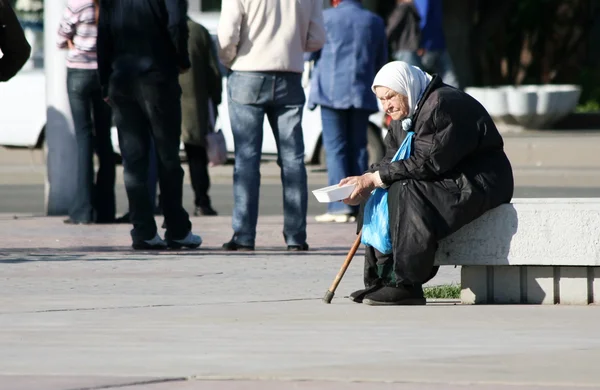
<point x="589" y="106"/>
<point x="445" y="291"/>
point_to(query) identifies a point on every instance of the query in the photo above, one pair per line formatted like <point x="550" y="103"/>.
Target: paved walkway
<point x="80" y="310"/>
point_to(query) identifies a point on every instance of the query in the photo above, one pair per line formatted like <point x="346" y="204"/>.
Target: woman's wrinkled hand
<point x="365" y="184"/>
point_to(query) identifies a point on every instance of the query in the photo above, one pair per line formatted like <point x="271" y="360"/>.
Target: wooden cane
<point x="331" y="292"/>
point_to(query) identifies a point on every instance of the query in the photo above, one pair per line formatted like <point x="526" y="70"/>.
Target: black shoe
<point x="155" y="243"/>
<point x="401" y="295"/>
<point x="358" y="295"/>
<point x="297" y="248"/>
<point x="204" y="210"/>
<point x="125" y="218"/>
<point x="70" y="221"/>
<point x="191" y="241"/>
<point x="234" y="246"/>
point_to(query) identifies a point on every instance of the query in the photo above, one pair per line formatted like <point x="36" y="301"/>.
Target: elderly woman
<point x="457" y="171"/>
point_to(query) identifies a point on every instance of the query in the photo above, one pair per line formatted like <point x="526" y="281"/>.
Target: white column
<point x="195" y="5"/>
<point x="61" y="150"/>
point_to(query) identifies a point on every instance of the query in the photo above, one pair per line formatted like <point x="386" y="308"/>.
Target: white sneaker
<point x="339" y="218"/>
<point x="156" y="243"/>
<point x="190" y="241"/>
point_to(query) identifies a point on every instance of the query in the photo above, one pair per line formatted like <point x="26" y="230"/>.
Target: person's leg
<point x="429" y="62"/>
<point x="79" y="87"/>
<point x="153" y="174"/>
<point x="415" y="227"/>
<point x="446" y="69"/>
<point x="285" y="118"/>
<point x="440" y="62"/>
<point x="134" y="141"/>
<point x="375" y="263"/>
<point x="152" y="183"/>
<point x="160" y="97"/>
<point x="408" y="56"/>
<point x="336" y="138"/>
<point x="377" y="266"/>
<point x="198" y="165"/>
<point x="104" y="191"/>
<point x="247" y="93"/>
<point x="358" y="154"/>
<point x="357" y="142"/>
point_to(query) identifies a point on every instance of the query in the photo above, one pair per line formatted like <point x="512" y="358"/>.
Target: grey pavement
<point x="80" y="310"/>
<point x="546" y="164"/>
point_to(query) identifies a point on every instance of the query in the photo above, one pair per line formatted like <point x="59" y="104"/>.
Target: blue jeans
<point x="92" y="120"/>
<point x="279" y="96"/>
<point x="345" y="142"/>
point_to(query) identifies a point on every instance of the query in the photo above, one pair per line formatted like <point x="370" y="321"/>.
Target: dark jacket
<point x="13" y="44"/>
<point x="403" y="30"/>
<point x="456" y="149"/>
<point x="200" y="85"/>
<point x="137" y="37"/>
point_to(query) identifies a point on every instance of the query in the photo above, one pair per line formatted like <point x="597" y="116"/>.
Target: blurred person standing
<point x="94" y="200"/>
<point x="202" y="88"/>
<point x="142" y="49"/>
<point x="13" y="44"/>
<point x="355" y="50"/>
<point x="404" y="33"/>
<point x="435" y="57"/>
<point x="263" y="43"/>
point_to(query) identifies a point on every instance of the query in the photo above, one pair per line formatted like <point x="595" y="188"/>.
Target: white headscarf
<point x="405" y="79"/>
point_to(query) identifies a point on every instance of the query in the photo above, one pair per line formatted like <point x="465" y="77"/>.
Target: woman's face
<point x="394" y="104"/>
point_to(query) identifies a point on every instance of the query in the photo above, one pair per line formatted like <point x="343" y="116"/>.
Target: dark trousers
<point x="149" y="107"/>
<point x="415" y="228"/>
<point x="198" y="164"/>
<point x="92" y="120"/>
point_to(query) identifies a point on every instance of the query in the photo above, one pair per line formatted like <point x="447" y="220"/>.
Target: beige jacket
<point x="269" y="35"/>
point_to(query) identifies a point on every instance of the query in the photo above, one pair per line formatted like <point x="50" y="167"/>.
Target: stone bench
<point x="532" y="251"/>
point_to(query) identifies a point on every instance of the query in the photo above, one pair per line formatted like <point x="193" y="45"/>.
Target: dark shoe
<point x="358" y="295"/>
<point x="401" y="295"/>
<point x="105" y="221"/>
<point x="124" y="218"/>
<point x="204" y="210"/>
<point x="234" y="246"/>
<point x="191" y="241"/>
<point x="156" y="243"/>
<point x="70" y="221"/>
<point x="297" y="248"/>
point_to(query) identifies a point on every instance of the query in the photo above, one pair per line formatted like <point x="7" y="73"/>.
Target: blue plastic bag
<point x="376" y="220"/>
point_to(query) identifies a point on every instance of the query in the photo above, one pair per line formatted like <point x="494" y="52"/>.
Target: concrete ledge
<point x="544" y="232"/>
<point x="532" y="251"/>
<point x="530" y="285"/>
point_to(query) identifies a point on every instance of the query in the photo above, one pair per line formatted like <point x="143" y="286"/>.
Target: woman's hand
<point x="365" y="184"/>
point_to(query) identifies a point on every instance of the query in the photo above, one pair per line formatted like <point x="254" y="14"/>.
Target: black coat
<point x="403" y="28"/>
<point x="456" y="172"/>
<point x="201" y="85"/>
<point x="12" y="43"/>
